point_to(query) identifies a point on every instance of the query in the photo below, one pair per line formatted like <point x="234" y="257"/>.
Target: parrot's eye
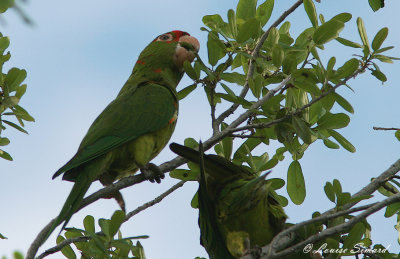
<point x="164" y="37"/>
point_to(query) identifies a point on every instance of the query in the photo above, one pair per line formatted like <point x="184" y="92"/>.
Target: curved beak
<point x="187" y="47"/>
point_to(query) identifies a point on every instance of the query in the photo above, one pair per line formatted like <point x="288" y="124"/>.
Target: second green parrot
<point x="135" y="126"/>
<point x="238" y="210"/>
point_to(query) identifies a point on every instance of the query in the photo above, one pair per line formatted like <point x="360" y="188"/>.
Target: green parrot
<point x="238" y="210"/>
<point x="135" y="126"/>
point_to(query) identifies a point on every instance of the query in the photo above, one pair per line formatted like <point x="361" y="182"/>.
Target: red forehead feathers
<point x="179" y="34"/>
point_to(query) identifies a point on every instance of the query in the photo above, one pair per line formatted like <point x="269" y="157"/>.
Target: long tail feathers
<point x="72" y="203"/>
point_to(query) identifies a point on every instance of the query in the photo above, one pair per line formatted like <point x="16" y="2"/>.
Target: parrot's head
<point x="162" y="60"/>
<point x="185" y="46"/>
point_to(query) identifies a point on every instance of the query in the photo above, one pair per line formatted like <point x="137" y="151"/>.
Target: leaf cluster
<point x="12" y="89"/>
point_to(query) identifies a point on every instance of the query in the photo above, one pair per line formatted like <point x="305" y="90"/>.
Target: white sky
<point x="79" y="54"/>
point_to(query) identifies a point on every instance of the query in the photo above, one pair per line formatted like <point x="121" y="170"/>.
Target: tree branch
<point x="336" y="229"/>
<point x="254" y="55"/>
<point x="299" y="110"/>
<point x="281" y="240"/>
<point x="380" y="128"/>
<point x="155" y="201"/>
<point x="69" y="241"/>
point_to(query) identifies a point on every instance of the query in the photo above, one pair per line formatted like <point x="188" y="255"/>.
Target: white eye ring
<point x="164" y="37"/>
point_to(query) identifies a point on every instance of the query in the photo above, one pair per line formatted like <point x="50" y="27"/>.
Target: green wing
<point x="141" y="110"/>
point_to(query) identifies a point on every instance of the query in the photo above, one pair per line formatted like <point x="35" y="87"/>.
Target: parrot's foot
<point x="152" y="173"/>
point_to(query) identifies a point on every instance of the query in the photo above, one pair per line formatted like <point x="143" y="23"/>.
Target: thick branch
<point x="254" y="55"/>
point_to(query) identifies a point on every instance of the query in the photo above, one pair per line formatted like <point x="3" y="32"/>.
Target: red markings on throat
<point x="140" y="62"/>
<point x="158" y="70"/>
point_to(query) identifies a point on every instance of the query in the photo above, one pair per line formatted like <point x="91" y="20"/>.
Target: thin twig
<point x="63" y="244"/>
<point x="254" y="55"/>
<point x="380" y="128"/>
<point x="246" y="136"/>
<point x="155" y="201"/>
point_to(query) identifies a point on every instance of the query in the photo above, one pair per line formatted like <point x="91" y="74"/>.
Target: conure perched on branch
<point x="238" y="210"/>
<point x="135" y="126"/>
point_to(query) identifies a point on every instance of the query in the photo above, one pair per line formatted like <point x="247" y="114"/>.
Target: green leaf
<point x="272" y="38"/>
<point x="295" y="183"/>
<point x="302" y="130"/>
<point x="379" y="38"/>
<point x="66" y="250"/>
<point x="348" y="43"/>
<point x="343" y="17"/>
<point x="4" y="141"/>
<point x="311" y="12"/>
<point x="186" y="91"/>
<point x="342" y="141"/>
<point x="383" y="58"/>
<point x="277" y="55"/>
<point x="354" y="236"/>
<point x="376" y="4"/>
<point x="234" y="77"/>
<point x="337" y="187"/>
<point x="232" y="22"/>
<point x="20" y="91"/>
<point x="255" y="85"/>
<point x="14" y="78"/>
<point x="216" y="49"/>
<point x="248" y="29"/>
<point x="329" y="67"/>
<point x="307" y="85"/>
<point x="105" y="227"/>
<point x="397" y="134"/>
<point x="5" y="4"/>
<point x="264" y="11"/>
<point x="189" y="70"/>
<point x="22" y="113"/>
<point x="183" y="174"/>
<point x="242" y="151"/>
<point x="2" y="237"/>
<point x="88" y="223"/>
<point x="10" y="101"/>
<point x="343" y="102"/>
<point x="214" y="22"/>
<point x="195" y="201"/>
<point x="4" y="42"/>
<point x="330" y="144"/>
<point x="289" y="63"/>
<point x="363" y="33"/>
<point x="379" y="75"/>
<point x="328" y="188"/>
<point x="116" y="220"/>
<point x="334" y="121"/>
<point x="328" y="31"/>
<point x="347" y="69"/>
<point x="5" y="155"/>
<point x="384" y="49"/>
<point x="246" y="9"/>
<point x="226" y="143"/>
<point x="392" y="209"/>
